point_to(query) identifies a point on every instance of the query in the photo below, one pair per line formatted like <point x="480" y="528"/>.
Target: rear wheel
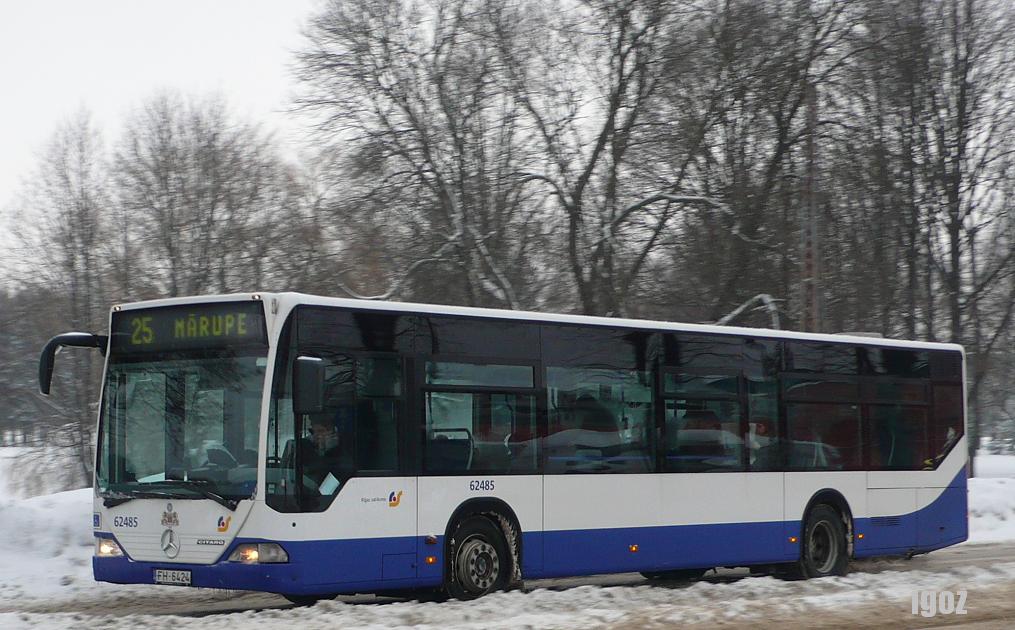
<point x="479" y="560"/>
<point x="823" y="550"/>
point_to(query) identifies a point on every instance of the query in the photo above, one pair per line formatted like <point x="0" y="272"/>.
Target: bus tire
<point x="681" y="575"/>
<point x="478" y="560"/>
<point x="823" y="548"/>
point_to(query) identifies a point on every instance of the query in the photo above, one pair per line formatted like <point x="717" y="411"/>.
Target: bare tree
<point x="414" y="94"/>
<point x="61" y="221"/>
<point x="196" y="187"/>
<point x="583" y="75"/>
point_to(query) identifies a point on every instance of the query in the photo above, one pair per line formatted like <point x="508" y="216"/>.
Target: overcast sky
<point x="57" y="56"/>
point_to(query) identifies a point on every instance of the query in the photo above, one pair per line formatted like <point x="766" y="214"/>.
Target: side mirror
<point x="73" y="339"/>
<point x="308" y="385"/>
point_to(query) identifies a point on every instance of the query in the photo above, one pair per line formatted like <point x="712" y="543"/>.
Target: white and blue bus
<point x="313" y="446"/>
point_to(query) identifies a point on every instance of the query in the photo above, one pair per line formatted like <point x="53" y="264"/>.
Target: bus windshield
<point x="181" y="424"/>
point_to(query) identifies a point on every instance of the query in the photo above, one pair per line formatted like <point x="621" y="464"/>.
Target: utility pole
<point x="810" y="272"/>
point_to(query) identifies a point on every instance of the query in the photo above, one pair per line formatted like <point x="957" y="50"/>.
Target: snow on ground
<point x="710" y="603"/>
<point x="990" y="465"/>
<point x="991" y="510"/>
<point x="992" y="499"/>
<point x="46" y="545"/>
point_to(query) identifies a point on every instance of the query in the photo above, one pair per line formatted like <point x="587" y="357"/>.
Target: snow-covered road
<point x="876" y="593"/>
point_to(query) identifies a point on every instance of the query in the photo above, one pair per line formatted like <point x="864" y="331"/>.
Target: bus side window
<point x="764" y="453"/>
<point x="600" y="420"/>
<point x="378" y="407"/>
<point x="898" y="437"/>
<point x="449" y="424"/>
<point x="703" y="436"/>
<point x="946" y="424"/>
<point x="762" y="361"/>
<point x="824" y="436"/>
<point x="481" y="432"/>
<point x="489" y="429"/>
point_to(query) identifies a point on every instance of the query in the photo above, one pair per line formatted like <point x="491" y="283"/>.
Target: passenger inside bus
<point x="764" y="449"/>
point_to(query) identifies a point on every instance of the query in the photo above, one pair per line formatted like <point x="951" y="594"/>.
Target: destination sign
<point x="213" y="325"/>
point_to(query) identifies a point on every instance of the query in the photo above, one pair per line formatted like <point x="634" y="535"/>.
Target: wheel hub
<point x="822" y="547"/>
<point x="478" y="565"/>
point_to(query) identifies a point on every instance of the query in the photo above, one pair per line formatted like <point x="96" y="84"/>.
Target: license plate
<point x="170" y="576"/>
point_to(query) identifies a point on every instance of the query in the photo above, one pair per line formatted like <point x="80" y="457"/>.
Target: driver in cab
<point x="326" y="457"/>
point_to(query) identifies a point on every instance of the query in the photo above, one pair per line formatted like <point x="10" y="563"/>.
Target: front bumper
<point x="315" y="568"/>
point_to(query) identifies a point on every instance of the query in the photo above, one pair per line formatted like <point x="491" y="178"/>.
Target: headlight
<point x="259" y="553"/>
<point x="107" y="548"/>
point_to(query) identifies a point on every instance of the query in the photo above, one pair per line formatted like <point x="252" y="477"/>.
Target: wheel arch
<point x="502" y="517"/>
<point x="835" y="499"/>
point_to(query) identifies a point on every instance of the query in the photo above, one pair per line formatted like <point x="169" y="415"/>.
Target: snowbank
<point x="46" y="545"/>
<point x="990" y="465"/>
<point x="991" y="510"/>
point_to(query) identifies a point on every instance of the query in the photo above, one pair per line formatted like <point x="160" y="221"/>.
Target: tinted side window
<point x="703" y="436"/>
<point x="895" y="362"/>
<point x="482" y="375"/>
<point x="702" y="352"/>
<point x="895" y="390"/>
<point x="310" y="457"/>
<point x="946" y="366"/>
<point x="378" y="398"/>
<point x="357" y="432"/>
<point x="597" y="347"/>
<point x="898" y="436"/>
<point x="823" y="436"/>
<point x="468" y="336"/>
<point x="826" y="358"/>
<point x="600" y="420"/>
<point x="820" y="388"/>
<point x="711" y="384"/>
<point x="946" y="422"/>
<point x="703" y="420"/>
<point x="325" y="327"/>
<point x="762" y="363"/>
<point x="480" y="432"/>
<point x="474" y="422"/>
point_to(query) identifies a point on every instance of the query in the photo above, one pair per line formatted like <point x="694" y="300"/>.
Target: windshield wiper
<point x="119" y="498"/>
<point x="197" y="485"/>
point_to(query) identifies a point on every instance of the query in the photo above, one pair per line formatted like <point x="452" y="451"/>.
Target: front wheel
<point x="823" y="551"/>
<point x="479" y="560"/>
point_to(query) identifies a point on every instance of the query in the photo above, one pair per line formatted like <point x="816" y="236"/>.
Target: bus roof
<point x="290" y="299"/>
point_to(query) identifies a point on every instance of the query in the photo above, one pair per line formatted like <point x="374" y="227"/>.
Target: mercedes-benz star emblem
<point x="170" y="544"/>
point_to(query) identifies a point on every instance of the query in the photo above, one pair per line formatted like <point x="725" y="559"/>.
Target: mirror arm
<point x="72" y="339"/>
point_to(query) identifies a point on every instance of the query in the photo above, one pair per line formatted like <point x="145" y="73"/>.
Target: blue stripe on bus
<point x="587" y="552"/>
<point x="377" y="564"/>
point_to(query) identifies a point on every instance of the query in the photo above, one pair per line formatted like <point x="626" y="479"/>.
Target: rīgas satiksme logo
<point x="393" y="499"/>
